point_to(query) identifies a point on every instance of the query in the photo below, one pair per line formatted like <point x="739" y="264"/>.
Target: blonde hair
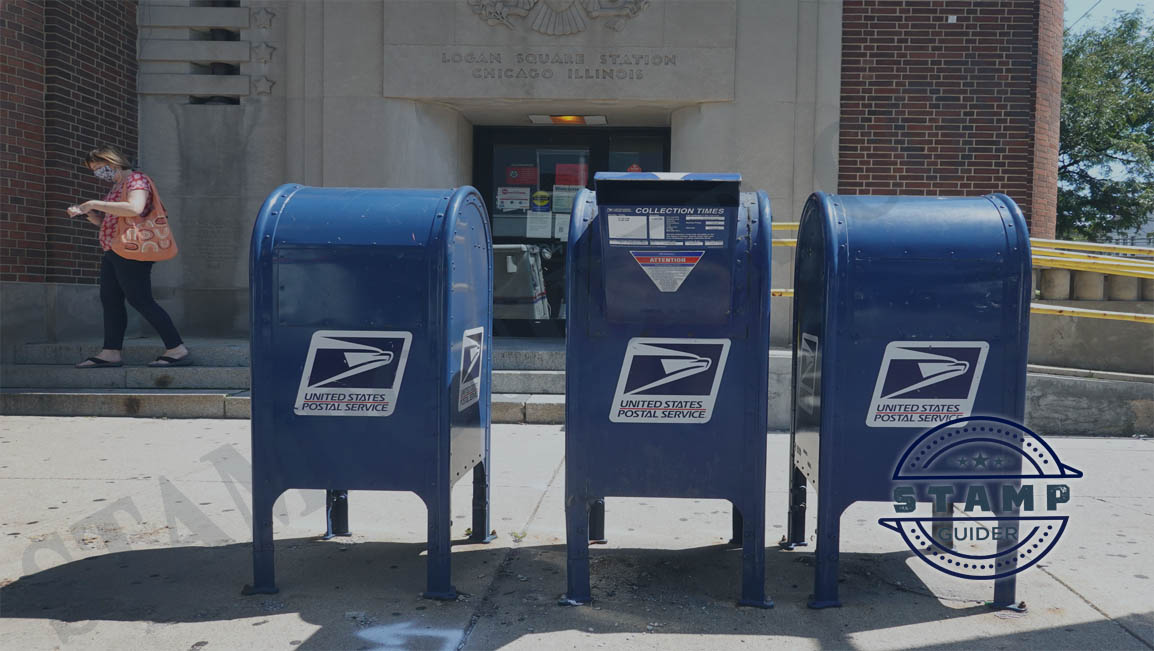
<point x="107" y="154"/>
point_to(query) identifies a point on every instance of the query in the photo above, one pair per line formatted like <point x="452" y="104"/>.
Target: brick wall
<point x="1047" y="118"/>
<point x="21" y="141"/>
<point x="68" y="77"/>
<point x="90" y="100"/>
<point x="930" y="106"/>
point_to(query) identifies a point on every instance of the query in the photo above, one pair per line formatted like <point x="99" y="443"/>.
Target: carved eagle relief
<point x="557" y="17"/>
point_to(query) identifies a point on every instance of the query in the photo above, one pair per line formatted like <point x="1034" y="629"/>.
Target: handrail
<point x="1078" y="255"/>
<point x="1118" y="269"/>
<point x="1039" y="242"/>
<point x="1091" y="246"/>
<point x="1042" y="308"/>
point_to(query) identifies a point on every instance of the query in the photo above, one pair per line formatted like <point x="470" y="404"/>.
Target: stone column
<point x="1089" y="286"/>
<point x="1056" y="284"/>
<point x="1122" y="288"/>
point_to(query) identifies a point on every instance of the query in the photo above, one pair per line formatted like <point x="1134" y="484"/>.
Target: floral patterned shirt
<point x="119" y="192"/>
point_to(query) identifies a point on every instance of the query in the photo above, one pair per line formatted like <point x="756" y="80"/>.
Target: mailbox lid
<point x="367" y="217"/>
<point x="927" y="229"/>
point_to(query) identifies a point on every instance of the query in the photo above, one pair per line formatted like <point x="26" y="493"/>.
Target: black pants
<point x="122" y="279"/>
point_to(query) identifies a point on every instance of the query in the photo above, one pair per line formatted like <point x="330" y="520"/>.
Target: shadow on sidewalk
<point x="368" y="592"/>
<point x="365" y="595"/>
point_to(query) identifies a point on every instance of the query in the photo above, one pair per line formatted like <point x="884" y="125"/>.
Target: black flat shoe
<point x="165" y="360"/>
<point x="96" y="362"/>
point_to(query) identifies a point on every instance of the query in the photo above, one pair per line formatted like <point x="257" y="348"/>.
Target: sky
<point x="1100" y="14"/>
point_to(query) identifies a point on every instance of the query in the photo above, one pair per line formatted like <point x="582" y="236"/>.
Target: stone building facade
<point x="224" y="100"/>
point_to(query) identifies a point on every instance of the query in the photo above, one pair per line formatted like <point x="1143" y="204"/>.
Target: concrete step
<point x="143" y="403"/>
<point x="136" y="352"/>
<point x="219" y="403"/>
<point x="524" y="354"/>
<point x="51" y="376"/>
<point x="1062" y="405"/>
<point x="528" y="408"/>
<point x="508" y="353"/>
<point x="548" y="382"/>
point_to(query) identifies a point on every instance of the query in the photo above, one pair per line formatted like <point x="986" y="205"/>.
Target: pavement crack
<point x="1098" y="610"/>
<point x="510" y="556"/>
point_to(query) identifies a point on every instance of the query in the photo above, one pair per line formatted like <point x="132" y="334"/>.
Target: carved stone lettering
<point x="557" y="17"/>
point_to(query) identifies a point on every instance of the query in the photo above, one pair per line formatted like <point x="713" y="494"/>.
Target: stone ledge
<point x="205" y="17"/>
<point x="238" y="405"/>
<point x="174" y="84"/>
<point x="205" y="51"/>
<point x="545" y="409"/>
<point x="529" y="381"/>
<point x="508" y="407"/>
<point x="169" y="403"/>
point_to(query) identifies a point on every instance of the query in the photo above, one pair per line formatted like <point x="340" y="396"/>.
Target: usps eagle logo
<point x="926" y="383"/>
<point x="472" y="360"/>
<point x="558" y="17"/>
<point x="669" y="380"/>
<point x="352" y="373"/>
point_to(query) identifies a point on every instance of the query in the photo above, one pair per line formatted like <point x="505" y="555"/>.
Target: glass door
<point x="529" y="178"/>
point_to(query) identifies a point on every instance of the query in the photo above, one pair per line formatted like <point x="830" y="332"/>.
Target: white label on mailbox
<point x="926" y="383"/>
<point x="472" y="358"/>
<point x="352" y="373"/>
<point x="669" y="380"/>
<point x="667" y="269"/>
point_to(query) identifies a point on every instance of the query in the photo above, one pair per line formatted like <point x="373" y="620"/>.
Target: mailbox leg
<point x="795" y="527"/>
<point x="753" y="553"/>
<point x="336" y="514"/>
<point x="440" y="579"/>
<point x="263" y="569"/>
<point x="481" y="531"/>
<point x="597" y="522"/>
<point x="827" y="555"/>
<point x="1006" y="588"/>
<point x="577" y="508"/>
<point x="738" y="527"/>
<point x="943" y="531"/>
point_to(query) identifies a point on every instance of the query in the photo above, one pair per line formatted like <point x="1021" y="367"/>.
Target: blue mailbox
<point x="666" y="355"/>
<point x="371" y="355"/>
<point x="909" y="313"/>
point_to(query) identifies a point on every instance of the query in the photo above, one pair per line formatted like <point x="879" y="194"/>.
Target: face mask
<point x="105" y="173"/>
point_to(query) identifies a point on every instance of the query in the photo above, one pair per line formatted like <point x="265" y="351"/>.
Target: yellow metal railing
<point x="1036" y="242"/>
<point x="1113" y="268"/>
<point x="1042" y="308"/>
<point x="1091" y="246"/>
<point x="1079" y="255"/>
<point x="1058" y="254"/>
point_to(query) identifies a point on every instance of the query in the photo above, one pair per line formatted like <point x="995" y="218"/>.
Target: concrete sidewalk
<point x="134" y="533"/>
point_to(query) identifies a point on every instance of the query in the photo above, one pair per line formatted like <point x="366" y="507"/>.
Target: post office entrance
<point x="528" y="177"/>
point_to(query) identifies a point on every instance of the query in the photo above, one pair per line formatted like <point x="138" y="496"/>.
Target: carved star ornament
<point x="558" y="17"/>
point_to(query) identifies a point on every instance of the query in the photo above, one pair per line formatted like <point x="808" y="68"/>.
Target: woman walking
<point x="133" y="234"/>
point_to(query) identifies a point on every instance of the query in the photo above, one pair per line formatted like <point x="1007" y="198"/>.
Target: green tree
<point x="1106" y="156"/>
